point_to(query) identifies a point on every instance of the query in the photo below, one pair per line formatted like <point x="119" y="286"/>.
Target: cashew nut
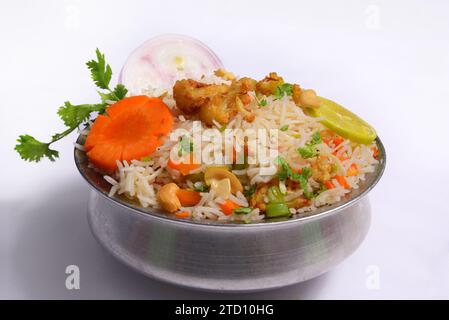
<point x="222" y="188"/>
<point x="167" y="197"/>
<point x="308" y="98"/>
<point x="217" y="174"/>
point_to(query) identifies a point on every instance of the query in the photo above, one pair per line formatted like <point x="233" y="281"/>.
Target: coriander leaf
<point x="305" y="188"/>
<point x="263" y="103"/>
<point x="282" y="90"/>
<point x="303" y="177"/>
<point x="307" y="152"/>
<point x="242" y="210"/>
<point x="185" y="145"/>
<point x="31" y="149"/>
<point x="316" y="138"/>
<point x="285" y="170"/>
<point x="145" y="159"/>
<point x="106" y="97"/>
<point x="222" y="128"/>
<point x="73" y="115"/>
<point x="284" y="128"/>
<point x="306" y="172"/>
<point x="201" y="188"/>
<point x="295" y="176"/>
<point x="119" y="92"/>
<point x="101" y="72"/>
<point x="250" y="191"/>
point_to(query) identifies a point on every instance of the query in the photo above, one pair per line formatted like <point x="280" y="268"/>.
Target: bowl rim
<point x="150" y="213"/>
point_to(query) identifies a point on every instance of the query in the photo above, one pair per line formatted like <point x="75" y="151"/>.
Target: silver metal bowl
<point x="228" y="257"/>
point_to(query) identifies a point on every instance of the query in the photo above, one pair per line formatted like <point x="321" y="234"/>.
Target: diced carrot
<point x="329" y="185"/>
<point x="228" y="207"/>
<point x="184" y="168"/>
<point x="337" y="140"/>
<point x="353" y="170"/>
<point x="326" y="136"/>
<point x="182" y="214"/>
<point x="343" y="156"/>
<point x="130" y="129"/>
<point x="342" y="181"/>
<point x="375" y="151"/>
<point x="188" y="197"/>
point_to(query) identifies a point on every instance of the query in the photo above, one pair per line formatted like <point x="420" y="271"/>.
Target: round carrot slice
<point x="130" y="129"/>
<point x="105" y="155"/>
<point x="96" y="134"/>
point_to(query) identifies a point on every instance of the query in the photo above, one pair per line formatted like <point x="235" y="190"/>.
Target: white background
<point x="386" y="60"/>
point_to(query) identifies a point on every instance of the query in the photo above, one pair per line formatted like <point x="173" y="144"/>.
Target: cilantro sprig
<point x="73" y="116"/>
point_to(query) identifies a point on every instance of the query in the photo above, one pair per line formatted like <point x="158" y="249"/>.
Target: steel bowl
<point x="223" y="256"/>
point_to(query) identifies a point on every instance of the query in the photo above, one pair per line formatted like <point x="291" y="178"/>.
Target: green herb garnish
<point x="201" y="188"/>
<point x="286" y="171"/>
<point x="304" y="176"/>
<point x="145" y="159"/>
<point x="31" y="149"/>
<point x="285" y="89"/>
<point x="250" y="191"/>
<point x="284" y="128"/>
<point x="185" y="145"/>
<point x="309" y="150"/>
<point x="263" y="103"/>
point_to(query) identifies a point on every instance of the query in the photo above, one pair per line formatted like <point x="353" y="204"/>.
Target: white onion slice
<point x="162" y="60"/>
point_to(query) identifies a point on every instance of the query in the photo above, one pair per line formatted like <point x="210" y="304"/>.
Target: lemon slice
<point x="343" y="122"/>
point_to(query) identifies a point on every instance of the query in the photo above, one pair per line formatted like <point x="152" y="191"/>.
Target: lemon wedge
<point x="343" y="122"/>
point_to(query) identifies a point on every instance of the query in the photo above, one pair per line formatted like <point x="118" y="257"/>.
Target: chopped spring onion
<point x="242" y="210"/>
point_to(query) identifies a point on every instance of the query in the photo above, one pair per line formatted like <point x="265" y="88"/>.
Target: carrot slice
<point x="105" y="156"/>
<point x="338" y="140"/>
<point x="139" y="149"/>
<point x="130" y="129"/>
<point x="326" y="136"/>
<point x="343" y="156"/>
<point x="342" y="181"/>
<point x="375" y="151"/>
<point x="228" y="207"/>
<point x="182" y="167"/>
<point x="114" y="110"/>
<point x="182" y="214"/>
<point x="329" y="185"/>
<point x="188" y="197"/>
<point x="96" y="134"/>
<point x="353" y="170"/>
